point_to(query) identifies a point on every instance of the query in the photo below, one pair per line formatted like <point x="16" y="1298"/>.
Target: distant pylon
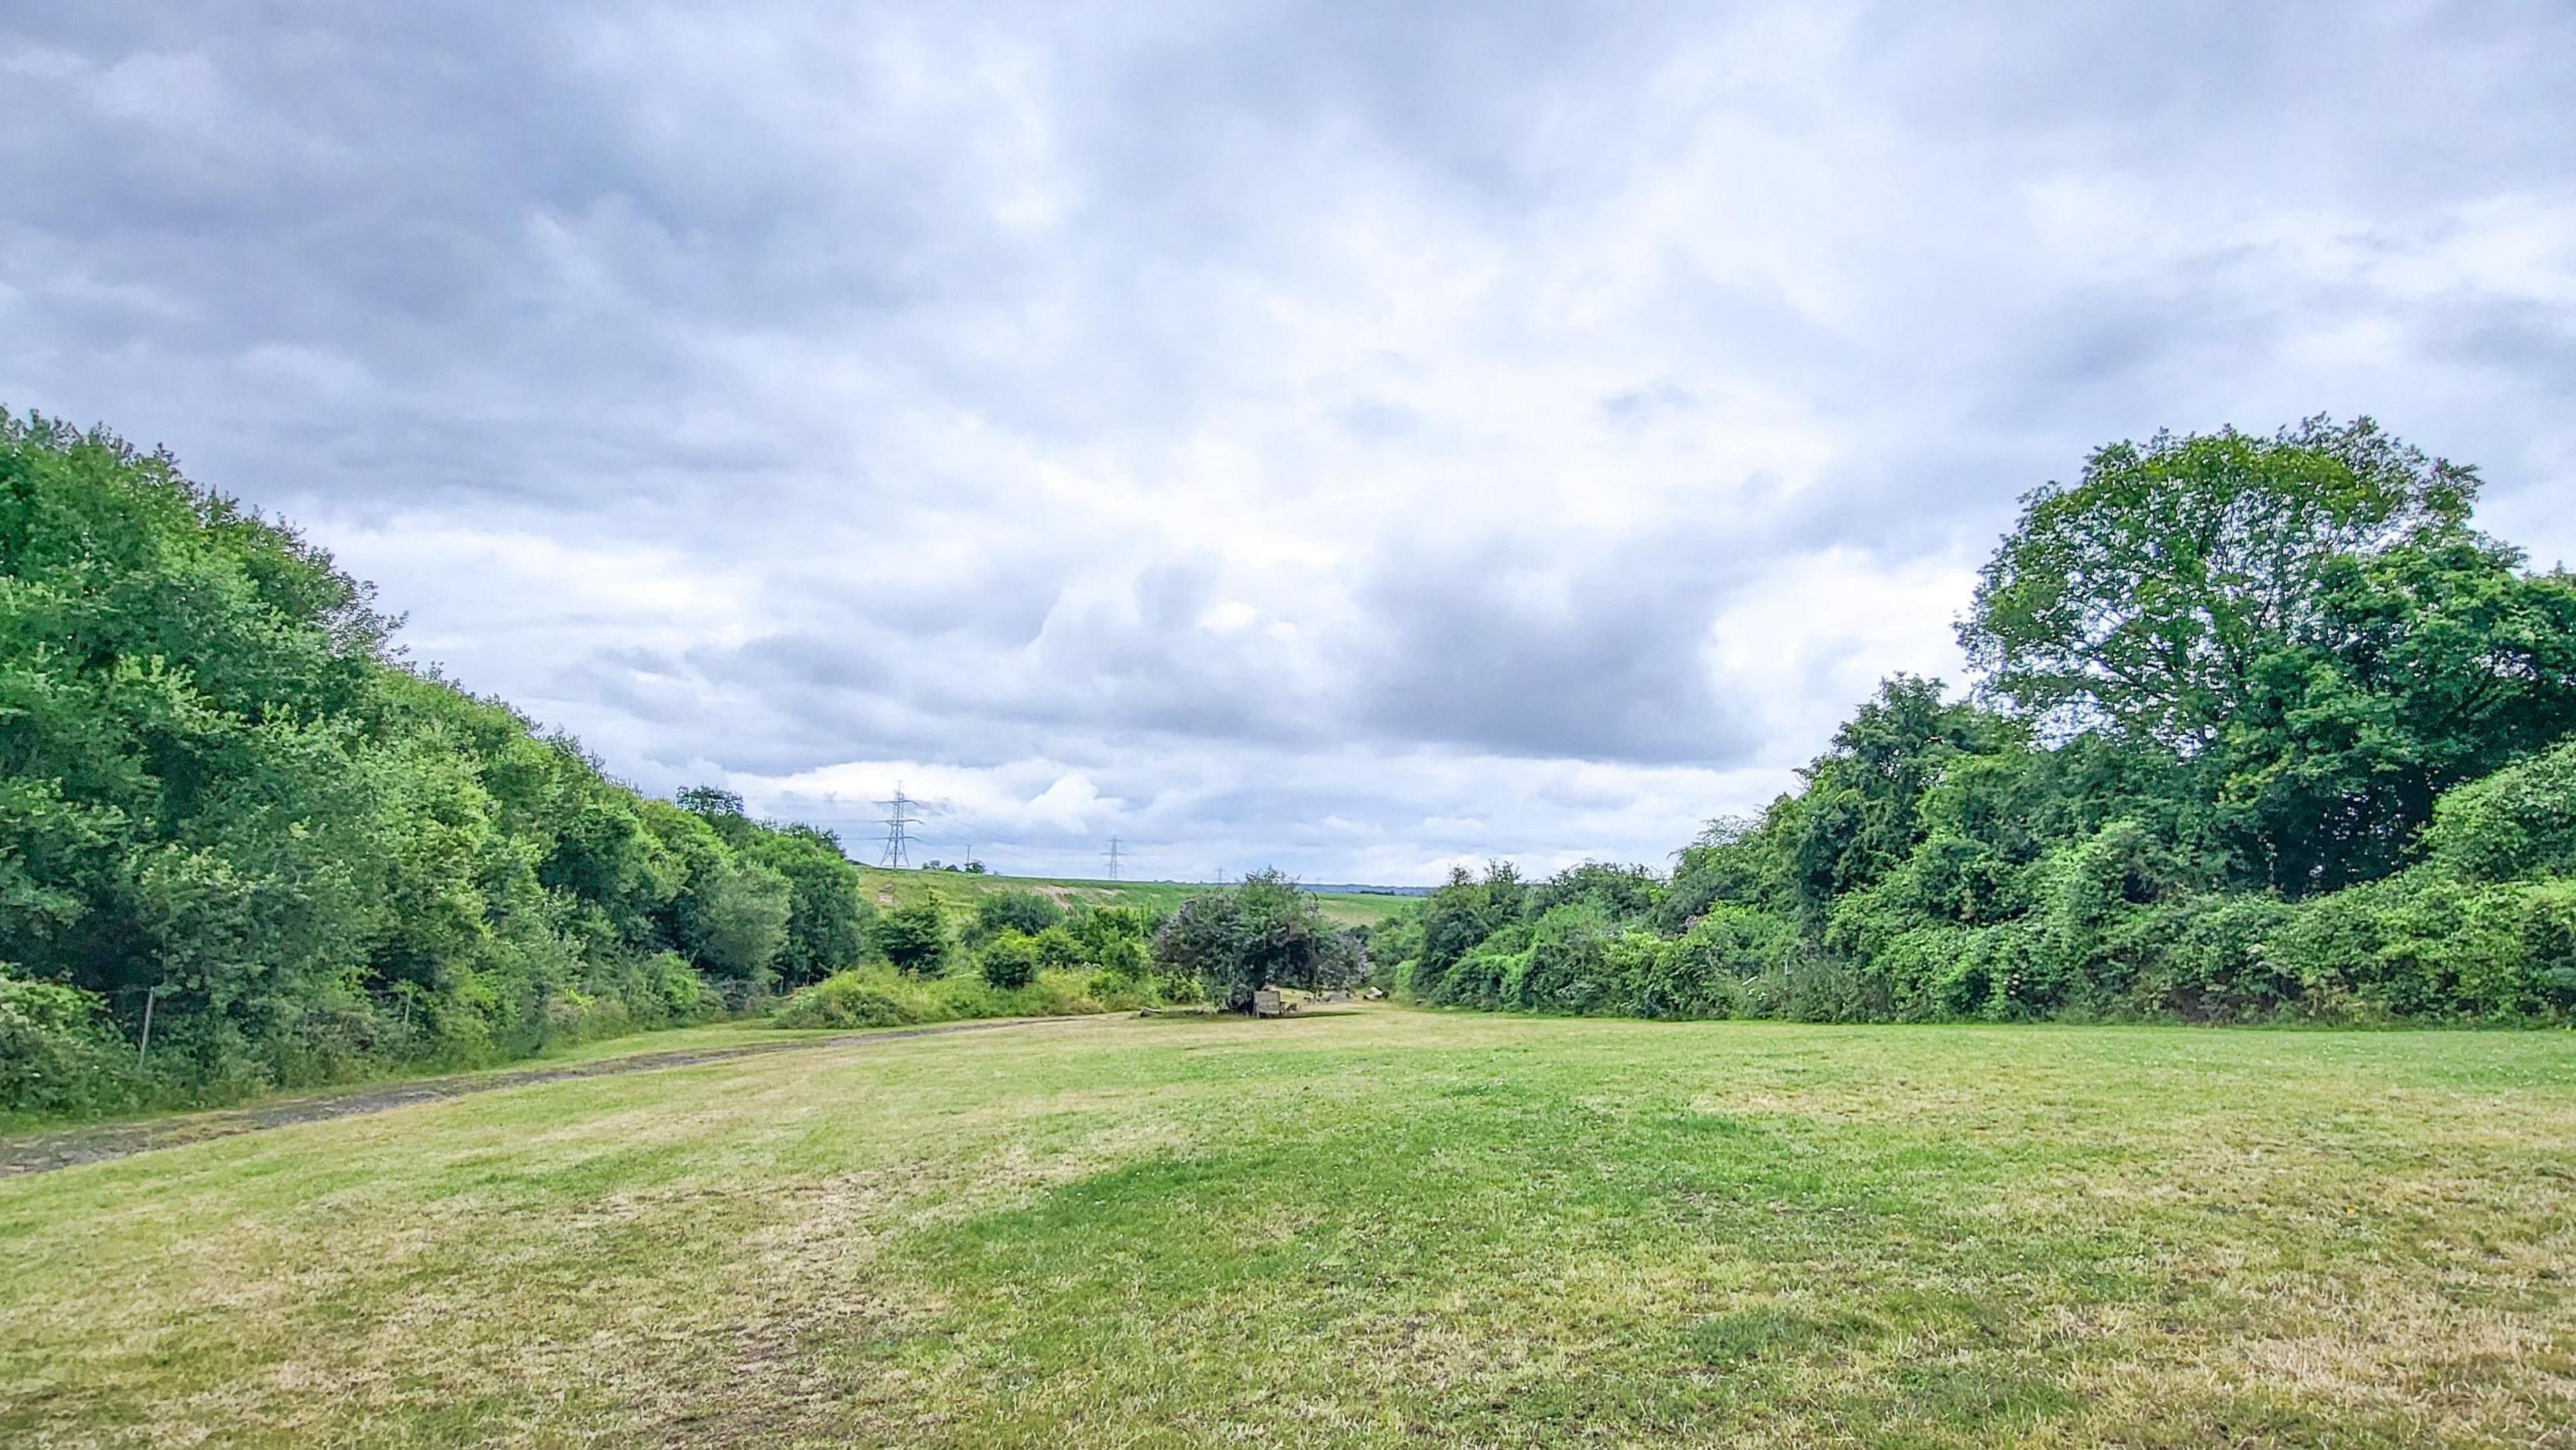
<point x="1113" y="858"/>
<point x="898" y="817"/>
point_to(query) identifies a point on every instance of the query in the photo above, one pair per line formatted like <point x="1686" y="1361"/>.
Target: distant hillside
<point x="958" y="891"/>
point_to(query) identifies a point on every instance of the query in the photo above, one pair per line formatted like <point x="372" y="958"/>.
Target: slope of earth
<point x="1372" y="1228"/>
<point x="959" y="890"/>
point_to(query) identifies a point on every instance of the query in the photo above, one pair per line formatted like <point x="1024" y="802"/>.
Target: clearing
<point x="1371" y="1227"/>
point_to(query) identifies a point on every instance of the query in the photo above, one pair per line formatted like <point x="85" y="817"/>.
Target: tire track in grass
<point x="70" y="1147"/>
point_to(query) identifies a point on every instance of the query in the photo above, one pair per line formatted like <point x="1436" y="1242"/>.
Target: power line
<point x="1113" y="858"/>
<point x="898" y="820"/>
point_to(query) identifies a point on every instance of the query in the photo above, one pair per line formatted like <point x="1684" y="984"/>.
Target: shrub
<point x="850" y="999"/>
<point x="1262" y="933"/>
<point x="57" y="1051"/>
<point x="1024" y="912"/>
<point x="1704" y="972"/>
<point x="1057" y="949"/>
<point x="879" y="997"/>
<point x="2518" y="822"/>
<point x="2424" y="944"/>
<point x="1008" y="962"/>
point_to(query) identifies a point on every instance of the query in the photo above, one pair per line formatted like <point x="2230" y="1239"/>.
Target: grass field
<point x="958" y="890"/>
<point x="1380" y="1227"/>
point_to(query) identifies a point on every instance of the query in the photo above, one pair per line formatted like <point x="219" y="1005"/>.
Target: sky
<point x="1355" y="438"/>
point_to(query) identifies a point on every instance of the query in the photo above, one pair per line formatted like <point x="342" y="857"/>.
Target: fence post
<point x="148" y="994"/>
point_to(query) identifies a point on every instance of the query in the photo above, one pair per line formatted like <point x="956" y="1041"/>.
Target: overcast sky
<point x="1358" y="437"/>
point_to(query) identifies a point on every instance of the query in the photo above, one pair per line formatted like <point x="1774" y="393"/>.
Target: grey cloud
<point x="1506" y="648"/>
<point x="856" y="304"/>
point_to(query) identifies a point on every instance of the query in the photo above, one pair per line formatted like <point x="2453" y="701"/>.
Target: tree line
<point x="2261" y="728"/>
<point x="230" y="809"/>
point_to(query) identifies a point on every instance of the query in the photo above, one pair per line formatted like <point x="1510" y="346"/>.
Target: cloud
<point x="1358" y="437"/>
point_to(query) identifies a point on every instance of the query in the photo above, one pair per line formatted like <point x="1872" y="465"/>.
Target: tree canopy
<point x="1263" y="932"/>
<point x="2243" y="704"/>
<point x="223" y="794"/>
<point x="2149" y="593"/>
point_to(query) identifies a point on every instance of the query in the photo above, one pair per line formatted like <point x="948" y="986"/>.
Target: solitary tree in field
<point x="1262" y="933"/>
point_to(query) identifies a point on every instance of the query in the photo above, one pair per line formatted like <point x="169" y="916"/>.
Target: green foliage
<point x="58" y="1052"/>
<point x="914" y="937"/>
<point x="2517" y="824"/>
<point x="1261" y="933"/>
<point x="1008" y="961"/>
<point x="827" y="919"/>
<point x="221" y="792"/>
<point x="2146" y="594"/>
<point x="1455" y="919"/>
<point x="1025" y="912"/>
<point x="1058" y="949"/>
<point x="880" y="997"/>
<point x="2267" y="732"/>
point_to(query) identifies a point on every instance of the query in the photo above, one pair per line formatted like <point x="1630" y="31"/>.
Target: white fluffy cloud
<point x="1356" y="438"/>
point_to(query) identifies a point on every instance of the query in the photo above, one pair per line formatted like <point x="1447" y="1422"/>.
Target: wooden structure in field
<point x="1269" y="1003"/>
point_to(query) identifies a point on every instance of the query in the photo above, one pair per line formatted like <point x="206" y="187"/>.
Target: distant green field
<point x="1379" y="1227"/>
<point x="958" y="890"/>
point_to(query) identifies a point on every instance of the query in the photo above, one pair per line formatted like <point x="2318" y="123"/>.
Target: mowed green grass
<point x="1381" y="1227"/>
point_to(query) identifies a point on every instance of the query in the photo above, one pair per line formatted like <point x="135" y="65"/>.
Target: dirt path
<point x="45" y="1152"/>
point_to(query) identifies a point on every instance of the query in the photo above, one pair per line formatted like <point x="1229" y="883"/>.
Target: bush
<point x="1008" y="962"/>
<point x="2425" y="945"/>
<point x="1058" y="950"/>
<point x="1024" y="912"/>
<point x="2517" y="823"/>
<point x="850" y="999"/>
<point x="1262" y="933"/>
<point x="879" y="997"/>
<point x="58" y="1053"/>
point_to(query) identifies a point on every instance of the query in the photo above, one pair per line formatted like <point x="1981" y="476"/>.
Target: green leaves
<point x="2227" y="683"/>
<point x="1261" y="933"/>
<point x="216" y="787"/>
<point x="2143" y="596"/>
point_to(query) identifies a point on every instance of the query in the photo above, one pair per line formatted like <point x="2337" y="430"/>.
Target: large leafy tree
<point x="1261" y="933"/>
<point x="2148" y="595"/>
<point x="2304" y="624"/>
<point x="2427" y="665"/>
<point x="1464" y="912"/>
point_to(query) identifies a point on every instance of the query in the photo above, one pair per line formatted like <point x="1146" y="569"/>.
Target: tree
<point x="1861" y="814"/>
<point x="1622" y="891"/>
<point x="1463" y="912"/>
<point x="827" y="918"/>
<point x="2146" y="596"/>
<point x="719" y="808"/>
<point x="741" y="920"/>
<point x="2429" y="664"/>
<point x="1264" y="932"/>
<point x="913" y="937"/>
<point x="1058" y="949"/>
